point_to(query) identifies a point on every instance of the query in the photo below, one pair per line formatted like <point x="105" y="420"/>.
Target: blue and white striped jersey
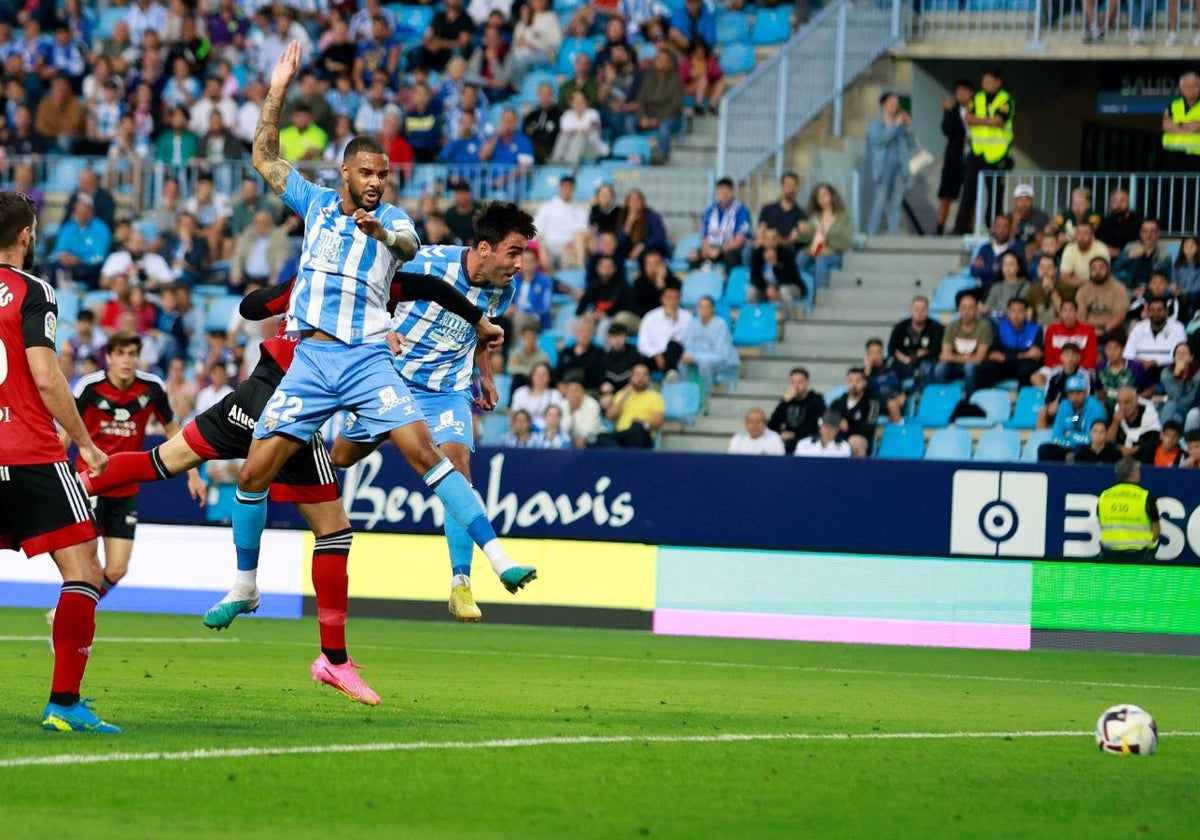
<point x="440" y="348"/>
<point x="345" y="276"/>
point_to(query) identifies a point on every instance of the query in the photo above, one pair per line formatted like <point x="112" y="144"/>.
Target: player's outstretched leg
<point x="462" y="601"/>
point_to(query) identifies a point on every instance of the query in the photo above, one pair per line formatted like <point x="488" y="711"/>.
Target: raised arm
<point x="264" y="153"/>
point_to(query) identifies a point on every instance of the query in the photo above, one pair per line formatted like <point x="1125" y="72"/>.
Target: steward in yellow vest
<point x="1181" y="127"/>
<point x="1128" y="514"/>
<point x="989" y="122"/>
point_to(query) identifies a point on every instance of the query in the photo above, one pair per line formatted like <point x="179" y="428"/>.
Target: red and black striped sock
<point x="125" y="469"/>
<point x="106" y="584"/>
<point x="74" y="629"/>
<point x="331" y="585"/>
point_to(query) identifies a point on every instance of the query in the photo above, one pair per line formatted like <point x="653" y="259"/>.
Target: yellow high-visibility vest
<point x="991" y="142"/>
<point x="1173" y="141"/>
<point x="1124" y="523"/>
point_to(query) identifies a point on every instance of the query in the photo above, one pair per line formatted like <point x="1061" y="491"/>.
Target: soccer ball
<point x="1126" y="730"/>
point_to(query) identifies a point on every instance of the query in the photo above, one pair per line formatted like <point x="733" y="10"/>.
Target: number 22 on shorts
<point x="282" y="408"/>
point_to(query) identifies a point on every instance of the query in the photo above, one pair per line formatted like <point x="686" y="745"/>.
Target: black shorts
<point x="951" y="183"/>
<point x="226" y="430"/>
<point x="43" y="508"/>
<point x="116" y="516"/>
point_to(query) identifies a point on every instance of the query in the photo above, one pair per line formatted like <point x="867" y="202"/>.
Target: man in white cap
<point x="1028" y="221"/>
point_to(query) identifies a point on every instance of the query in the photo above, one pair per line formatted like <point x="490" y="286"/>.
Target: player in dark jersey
<point x="42" y="508"/>
<point x="116" y="405"/>
<point x="307" y="479"/>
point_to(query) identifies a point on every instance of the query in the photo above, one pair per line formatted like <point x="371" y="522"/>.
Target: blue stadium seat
<point x="492" y="428"/>
<point x="683" y="247"/>
<point x="68" y="307"/>
<point x="548" y="342"/>
<point x="588" y="178"/>
<point x="504" y="389"/>
<point x="1000" y="445"/>
<point x="771" y="26"/>
<point x="697" y="284"/>
<point x="997" y="404"/>
<point x="109" y="17"/>
<point x="425" y="178"/>
<point x="571" y="47"/>
<point x="575" y="278"/>
<point x="97" y="300"/>
<point x="937" y="404"/>
<point x="1030" y="399"/>
<point x="835" y="393"/>
<point x="902" y="440"/>
<point x="530" y="84"/>
<point x="736" y="285"/>
<point x="63" y="175"/>
<point x="545" y="182"/>
<point x="632" y="148"/>
<point x="947" y="289"/>
<point x="219" y="312"/>
<point x="949" y="445"/>
<point x="756" y="325"/>
<point x="683" y="401"/>
<point x="411" y="21"/>
<point x="1036" y="438"/>
<point x="733" y="28"/>
<point x="736" y="59"/>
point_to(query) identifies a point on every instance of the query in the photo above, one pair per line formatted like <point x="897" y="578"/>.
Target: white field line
<point x="517" y="743"/>
<point x="101" y="640"/>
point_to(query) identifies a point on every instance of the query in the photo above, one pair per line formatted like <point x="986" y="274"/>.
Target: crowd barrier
<point x="844" y="551"/>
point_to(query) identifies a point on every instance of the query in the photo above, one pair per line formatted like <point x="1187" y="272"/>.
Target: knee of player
<point x="253" y="477"/>
<point x="341" y="455"/>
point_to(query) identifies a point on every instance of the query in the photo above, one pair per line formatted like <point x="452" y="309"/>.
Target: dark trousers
<point x="1053" y="452"/>
<point x="670" y="358"/>
<point x="1144" y="555"/>
<point x="991" y="372"/>
<point x="636" y="436"/>
<point x="965" y="222"/>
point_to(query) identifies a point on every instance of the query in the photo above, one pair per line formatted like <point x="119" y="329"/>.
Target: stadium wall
<point x="914" y="553"/>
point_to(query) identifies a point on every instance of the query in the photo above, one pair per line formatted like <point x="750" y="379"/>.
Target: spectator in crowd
<point x="639" y="228"/>
<point x="103" y="204"/>
<point x="181" y="393"/>
<point x="139" y="266"/>
<point x="958" y="148"/>
<point x="783" y="215"/>
<point x="1185" y="274"/>
<point x="369" y="119"/>
<point x="508" y="148"/>
<point x="23" y="182"/>
<point x="889" y="146"/>
<point x="1182" y="386"/>
<point x="189" y="256"/>
<point x="694" y="20"/>
<point x="824" y="236"/>
<point x="182" y="88"/>
<point x="130" y="300"/>
<point x="1135" y="427"/>
<point x="581" y="414"/>
<point x="61" y="118"/>
<point x="703" y="79"/>
<point x="422" y="128"/>
<point x="535" y="295"/>
<point x="916" y="343"/>
<point x="798" y="414"/>
<point x="1121" y="226"/>
<point x="543" y="123"/>
<point x="1012" y="283"/>
<point x="585" y="80"/>
<point x="104" y="119"/>
<point x="87" y="340"/>
<point x="216" y="390"/>
<point x="990" y="130"/>
<point x="212" y="210"/>
<point x="250" y="202"/>
<point x="536" y="36"/>
<point x="619" y="358"/>
<point x="607" y="294"/>
<point x="145" y="16"/>
<point x="23" y="139"/>
<point x="726" y="228"/>
<point x="660" y="103"/>
<point x="1158" y="287"/>
<point x="1115" y="372"/>
<point x="460" y="216"/>
<point x="1017" y="351"/>
<point x="756" y="439"/>
<point x="774" y="276"/>
<point x="1103" y="300"/>
<point x="882" y="382"/>
<point x="363" y="20"/>
<point x="826" y="441"/>
<point x="614" y="35"/>
<point x="1168" y="452"/>
<point x="259" y="253"/>
<point x="464" y="146"/>
<point x="1080" y="211"/>
<point x="82" y="245"/>
<point x="1028" y="221"/>
<point x="537" y="395"/>
<point x="526" y="355"/>
<point x="620" y="80"/>
<point x="859" y="413"/>
<point x="1152" y="341"/>
<point x="520" y="431"/>
<point x="636" y="411"/>
<point x="164" y="215"/>
<point x="1045" y="293"/>
<point x="344" y="100"/>
<point x="219" y="143"/>
<point x="1098" y="450"/>
<point x="303" y="139"/>
<point x="1067" y="330"/>
<point x="1142" y="257"/>
<point x="433" y="229"/>
<point x="986" y="266"/>
<point x="248" y="113"/>
<point x="1077" y="256"/>
<point x="708" y="346"/>
<point x="184" y="324"/>
<point x="1192" y="439"/>
<point x="562" y="228"/>
<point x="1073" y="422"/>
<point x="582" y="357"/>
<point x="311" y="96"/>
<point x="399" y="152"/>
<point x="662" y="332"/>
<point x="492" y="66"/>
<point x="603" y="215"/>
<point x="965" y="344"/>
<point x="378" y="56"/>
<point x="177" y="145"/>
<point x="552" y="434"/>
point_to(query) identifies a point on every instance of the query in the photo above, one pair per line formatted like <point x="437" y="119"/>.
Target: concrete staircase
<point x="864" y="300"/>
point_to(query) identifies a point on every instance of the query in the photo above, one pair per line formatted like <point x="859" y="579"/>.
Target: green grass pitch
<point x="515" y="732"/>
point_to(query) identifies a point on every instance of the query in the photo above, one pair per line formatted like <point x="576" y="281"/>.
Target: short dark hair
<point x="299" y="106"/>
<point x="618" y="329"/>
<point x="124" y="339"/>
<point x="1173" y="424"/>
<point x="498" y="219"/>
<point x="1019" y="300"/>
<point x="1193" y="436"/>
<point x="363" y="143"/>
<point x="86" y="315"/>
<point x="873" y="341"/>
<point x="994" y="72"/>
<point x="1072" y="346"/>
<point x="1113" y="335"/>
<point x="16" y="213"/>
<point x="965" y="83"/>
<point x="725" y="182"/>
<point x="796" y="370"/>
<point x="857" y="370"/>
<point x="973" y="294"/>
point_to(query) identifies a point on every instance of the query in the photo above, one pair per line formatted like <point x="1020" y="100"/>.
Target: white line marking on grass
<point x="129" y="640"/>
<point x="805" y="669"/>
<point x="517" y="743"/>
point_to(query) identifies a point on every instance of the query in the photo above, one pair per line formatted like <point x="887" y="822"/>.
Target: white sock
<point x="496" y="555"/>
<point x="247" y="581"/>
<point x="460" y="580"/>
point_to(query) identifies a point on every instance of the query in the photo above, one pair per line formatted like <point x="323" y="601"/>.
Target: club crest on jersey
<point x="328" y="249"/>
<point x="143" y="401"/>
<point x="51" y="326"/>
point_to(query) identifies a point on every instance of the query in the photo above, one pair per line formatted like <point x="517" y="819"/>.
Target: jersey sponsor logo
<point x="51" y="326"/>
<point x="119" y="428"/>
<point x="450" y="329"/>
<point x="121" y="414"/>
<point x="446" y="421"/>
<point x="240" y="418"/>
<point x="328" y="249"/>
<point x="131" y="519"/>
<point x="389" y="400"/>
<point x="6" y="295"/>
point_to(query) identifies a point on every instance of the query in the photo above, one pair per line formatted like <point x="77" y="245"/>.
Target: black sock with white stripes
<point x="160" y="469"/>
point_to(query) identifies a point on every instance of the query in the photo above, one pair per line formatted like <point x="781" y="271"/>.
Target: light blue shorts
<point x="448" y="416"/>
<point x="327" y="376"/>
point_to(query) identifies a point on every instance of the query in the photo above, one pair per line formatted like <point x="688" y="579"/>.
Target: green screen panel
<point x="1109" y="598"/>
